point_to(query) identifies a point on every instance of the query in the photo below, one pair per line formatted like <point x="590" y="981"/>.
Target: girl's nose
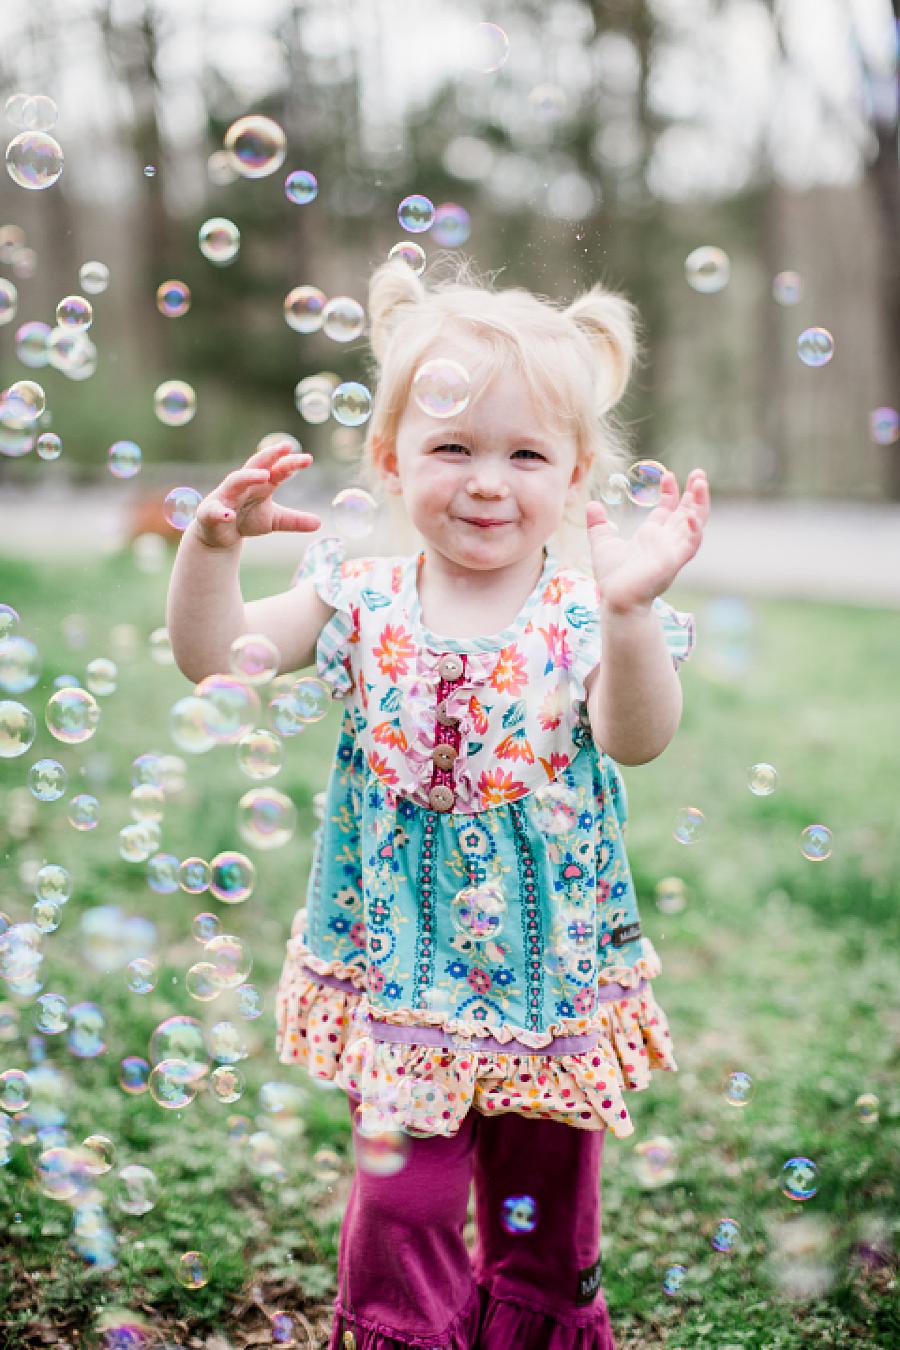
<point x="486" y="486"/>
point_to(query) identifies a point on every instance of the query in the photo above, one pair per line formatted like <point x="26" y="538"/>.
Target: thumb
<point x="595" y="514"/>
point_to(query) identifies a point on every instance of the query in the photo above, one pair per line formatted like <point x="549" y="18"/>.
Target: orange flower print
<point x="551" y="710"/>
<point x="511" y="671"/>
<point x="381" y="768"/>
<point x="556" y="588"/>
<point x="354" y="624"/>
<point x="394" y="652"/>
<point x="554" y="765"/>
<point x="390" y="733"/>
<point x="478" y="716"/>
<point x="559" y="656"/>
<point x="356" y="567"/>
<point x="497" y="786"/>
<point x="515" y="746"/>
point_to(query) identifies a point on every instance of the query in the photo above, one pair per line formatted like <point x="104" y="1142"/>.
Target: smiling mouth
<point x="485" y="524"/>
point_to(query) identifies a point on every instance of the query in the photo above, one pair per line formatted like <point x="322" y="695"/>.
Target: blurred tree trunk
<point x="884" y="180"/>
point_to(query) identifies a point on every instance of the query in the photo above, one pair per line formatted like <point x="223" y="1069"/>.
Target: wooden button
<point x="441" y="798"/>
<point x="442" y="716"/>
<point x="444" y="756"/>
<point x="450" y="667"/>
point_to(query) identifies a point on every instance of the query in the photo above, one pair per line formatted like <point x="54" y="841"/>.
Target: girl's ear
<point x="384" y="459"/>
<point x="579" y="474"/>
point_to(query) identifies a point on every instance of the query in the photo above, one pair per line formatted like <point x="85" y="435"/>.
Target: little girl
<point x="470" y="967"/>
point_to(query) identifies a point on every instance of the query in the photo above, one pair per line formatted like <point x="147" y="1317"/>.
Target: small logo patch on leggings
<point x="589" y="1283"/>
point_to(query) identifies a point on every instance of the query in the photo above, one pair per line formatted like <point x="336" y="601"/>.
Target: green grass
<point x="777" y="966"/>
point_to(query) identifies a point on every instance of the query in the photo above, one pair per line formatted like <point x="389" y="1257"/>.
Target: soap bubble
<point x="9" y="298"/>
<point x="266" y="818"/>
<point x="478" y="911"/>
<point x="204" y="927"/>
<point x="655" y="1162"/>
<point x="548" y="103"/>
<point x="301" y="187"/>
<point x="884" y="425"/>
<point x="51" y="1014"/>
<point x="688" y="824"/>
<point x="738" y="1088"/>
<point x="101" y="676"/>
<point x="411" y="253"/>
<point x="14" y="107"/>
<point x="100" y="1154"/>
<point x="355" y="513"/>
<point x="9" y="617"/>
<point x="173" y="299"/>
<point x="48" y="446"/>
<point x="671" y="895"/>
<point x="162" y="874"/>
<point x="175" y="403"/>
<point x="381" y="1152"/>
<point x="87" y="1025"/>
<point x="139" y="841"/>
<point x="556" y="809"/>
<point x="192" y="1270"/>
<point x="192" y="725"/>
<point x="815" y="843"/>
<point x="124" y="459"/>
<point x="488" y="48"/>
<point x="194" y="876"/>
<point x="254" y="658"/>
<point x="762" y="780"/>
<point x="787" y="288"/>
<point x="134" y="1075"/>
<point x="232" y="877"/>
<point x="173" y="1084"/>
<point x="34" y="160"/>
<point x="46" y="915"/>
<point x="257" y="146"/>
<point x="231" y="959"/>
<point x="20" y="664"/>
<point x="867" y="1107"/>
<point x="260" y="754"/>
<point x="707" y="269"/>
<point x="815" y="347"/>
<point x="137" y="1189"/>
<point x="15" y="1090"/>
<point x="53" y="882"/>
<point x="202" y="982"/>
<point x="799" y="1178"/>
<point x="726" y="1236"/>
<point x="351" y="404"/>
<point x="83" y="812"/>
<point x="226" y="1043"/>
<point x="673" y="1279"/>
<point x="304" y="309"/>
<point x="452" y="225"/>
<point x="283" y="1330"/>
<point x="93" y="277"/>
<point x="235" y="705"/>
<point x="441" y="387"/>
<point x="643" y="482"/>
<point x="343" y="319"/>
<point x="180" y="1038"/>
<point x="161" y="648"/>
<point x="220" y="240"/>
<point x="40" y="113"/>
<point x="312" y="397"/>
<point x="73" y="311"/>
<point x="250" y="1003"/>
<point x="310" y="699"/>
<point x="227" y="1084"/>
<point x="24" y="401"/>
<point x="141" y="975"/>
<point x="17" y="729"/>
<point x="60" y="1173"/>
<point x="416" y="213"/>
<point x="180" y="506"/>
<point x="519" y="1214"/>
<point x="72" y="715"/>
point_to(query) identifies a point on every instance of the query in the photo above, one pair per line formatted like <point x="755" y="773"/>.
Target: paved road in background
<point x="799" y="550"/>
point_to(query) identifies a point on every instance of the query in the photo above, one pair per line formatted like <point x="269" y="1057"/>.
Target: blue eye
<point x="536" y="453"/>
<point x="453" y="446"/>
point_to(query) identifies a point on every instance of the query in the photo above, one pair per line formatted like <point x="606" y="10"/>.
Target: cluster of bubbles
<point x="816" y="841"/>
<point x="34" y="159"/>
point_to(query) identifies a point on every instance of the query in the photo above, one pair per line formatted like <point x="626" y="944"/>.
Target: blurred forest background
<point x="618" y="136"/>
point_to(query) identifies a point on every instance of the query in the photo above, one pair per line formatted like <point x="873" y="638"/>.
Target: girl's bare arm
<point x="205" y="609"/>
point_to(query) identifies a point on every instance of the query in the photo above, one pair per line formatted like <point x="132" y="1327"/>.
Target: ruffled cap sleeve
<point x="583" y="622"/>
<point x="324" y="564"/>
<point x="678" y="630"/>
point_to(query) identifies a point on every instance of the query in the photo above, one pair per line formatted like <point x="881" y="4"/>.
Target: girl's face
<point x="487" y="488"/>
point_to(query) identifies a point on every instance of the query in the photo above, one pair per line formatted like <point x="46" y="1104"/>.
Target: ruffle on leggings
<point x="312" y="1020"/>
<point x="460" y="1335"/>
<point x="506" y="1323"/>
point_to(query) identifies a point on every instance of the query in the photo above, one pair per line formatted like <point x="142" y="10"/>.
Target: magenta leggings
<point x="405" y="1277"/>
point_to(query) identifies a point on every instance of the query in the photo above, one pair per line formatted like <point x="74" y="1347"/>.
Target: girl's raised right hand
<point x="242" y="503"/>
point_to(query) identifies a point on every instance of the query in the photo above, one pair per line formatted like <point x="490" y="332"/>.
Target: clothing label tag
<point x="588" y="1283"/>
<point x="626" y="932"/>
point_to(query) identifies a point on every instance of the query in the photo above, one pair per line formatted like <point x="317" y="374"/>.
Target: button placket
<point x="447" y="737"/>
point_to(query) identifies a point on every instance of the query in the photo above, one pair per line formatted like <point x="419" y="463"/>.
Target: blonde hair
<point x="576" y="360"/>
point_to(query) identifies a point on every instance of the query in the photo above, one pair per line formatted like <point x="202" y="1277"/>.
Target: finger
<point x="287" y="466"/>
<point x="595" y="514"/>
<point x="286" y="519"/>
<point x="270" y="455"/>
<point x="238" y="486"/>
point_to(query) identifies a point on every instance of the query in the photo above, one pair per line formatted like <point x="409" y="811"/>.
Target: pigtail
<point x="609" y="321"/>
<point x="394" y="290"/>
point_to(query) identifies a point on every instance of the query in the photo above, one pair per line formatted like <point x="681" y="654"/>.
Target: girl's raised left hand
<point x="631" y="573"/>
